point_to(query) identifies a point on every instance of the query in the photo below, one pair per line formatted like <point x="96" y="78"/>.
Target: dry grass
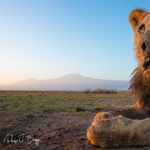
<point x="101" y="91"/>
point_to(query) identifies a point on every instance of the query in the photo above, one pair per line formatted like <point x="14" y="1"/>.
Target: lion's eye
<point x="142" y="28"/>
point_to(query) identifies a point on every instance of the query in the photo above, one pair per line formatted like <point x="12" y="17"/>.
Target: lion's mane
<point x="140" y="87"/>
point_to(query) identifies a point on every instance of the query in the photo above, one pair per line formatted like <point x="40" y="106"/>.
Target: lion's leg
<point x="119" y="131"/>
<point x="133" y="112"/>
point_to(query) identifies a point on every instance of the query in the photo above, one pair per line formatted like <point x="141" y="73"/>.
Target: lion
<point x="129" y="126"/>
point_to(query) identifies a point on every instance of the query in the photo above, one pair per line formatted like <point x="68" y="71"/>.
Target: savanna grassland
<point x="58" y="119"/>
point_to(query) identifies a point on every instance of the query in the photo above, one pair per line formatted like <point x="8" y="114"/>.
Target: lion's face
<point x="140" y="22"/>
<point x="142" y="36"/>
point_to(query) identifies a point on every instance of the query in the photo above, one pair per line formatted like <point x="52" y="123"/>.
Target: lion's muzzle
<point x="145" y="47"/>
<point x="146" y="62"/>
<point x="145" y="44"/>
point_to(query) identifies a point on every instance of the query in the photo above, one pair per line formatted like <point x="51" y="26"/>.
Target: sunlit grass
<point x="23" y="102"/>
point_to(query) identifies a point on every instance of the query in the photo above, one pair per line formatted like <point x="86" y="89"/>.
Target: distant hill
<point x="69" y="82"/>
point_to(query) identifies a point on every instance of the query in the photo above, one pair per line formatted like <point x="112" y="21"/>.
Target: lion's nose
<point x="144" y="46"/>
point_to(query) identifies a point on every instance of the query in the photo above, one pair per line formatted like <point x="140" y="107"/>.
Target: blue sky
<point x="46" y="39"/>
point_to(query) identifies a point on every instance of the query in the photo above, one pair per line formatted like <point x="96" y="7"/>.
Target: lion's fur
<point x="140" y="87"/>
<point x="140" y="82"/>
<point x="137" y="16"/>
<point x="119" y="131"/>
<point x="117" y="128"/>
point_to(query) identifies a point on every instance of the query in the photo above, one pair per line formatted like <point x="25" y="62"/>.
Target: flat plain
<point x="53" y="120"/>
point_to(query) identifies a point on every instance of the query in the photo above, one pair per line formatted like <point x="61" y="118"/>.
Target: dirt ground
<point x="60" y="132"/>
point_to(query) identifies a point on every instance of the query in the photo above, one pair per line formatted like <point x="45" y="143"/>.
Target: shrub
<point x="29" y="115"/>
<point x="87" y="91"/>
<point x="102" y="91"/>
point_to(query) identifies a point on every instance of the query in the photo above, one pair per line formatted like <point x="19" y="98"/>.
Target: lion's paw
<point x="119" y="131"/>
<point x="102" y="115"/>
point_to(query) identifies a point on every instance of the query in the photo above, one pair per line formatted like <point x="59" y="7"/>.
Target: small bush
<point x="4" y="128"/>
<point x="29" y="115"/>
<point x="107" y="91"/>
<point x="100" y="91"/>
<point x="87" y="91"/>
<point x="113" y="91"/>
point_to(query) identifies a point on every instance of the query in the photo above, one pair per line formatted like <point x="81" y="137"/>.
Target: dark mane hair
<point x="140" y="87"/>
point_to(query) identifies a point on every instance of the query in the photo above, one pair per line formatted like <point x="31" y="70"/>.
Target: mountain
<point x="69" y="82"/>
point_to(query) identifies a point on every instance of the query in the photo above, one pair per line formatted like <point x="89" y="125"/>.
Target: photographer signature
<point x="20" y="138"/>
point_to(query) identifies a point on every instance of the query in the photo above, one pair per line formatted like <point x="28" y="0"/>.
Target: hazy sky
<point x="46" y="39"/>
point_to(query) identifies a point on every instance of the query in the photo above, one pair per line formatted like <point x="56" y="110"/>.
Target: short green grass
<point x="29" y="102"/>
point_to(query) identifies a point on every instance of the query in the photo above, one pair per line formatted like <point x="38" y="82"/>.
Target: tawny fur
<point x="117" y="128"/>
<point x="140" y="86"/>
<point x="140" y="82"/>
<point x="119" y="131"/>
<point x="136" y="16"/>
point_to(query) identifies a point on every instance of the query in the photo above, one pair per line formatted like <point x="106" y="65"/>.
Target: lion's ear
<point x="136" y="16"/>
